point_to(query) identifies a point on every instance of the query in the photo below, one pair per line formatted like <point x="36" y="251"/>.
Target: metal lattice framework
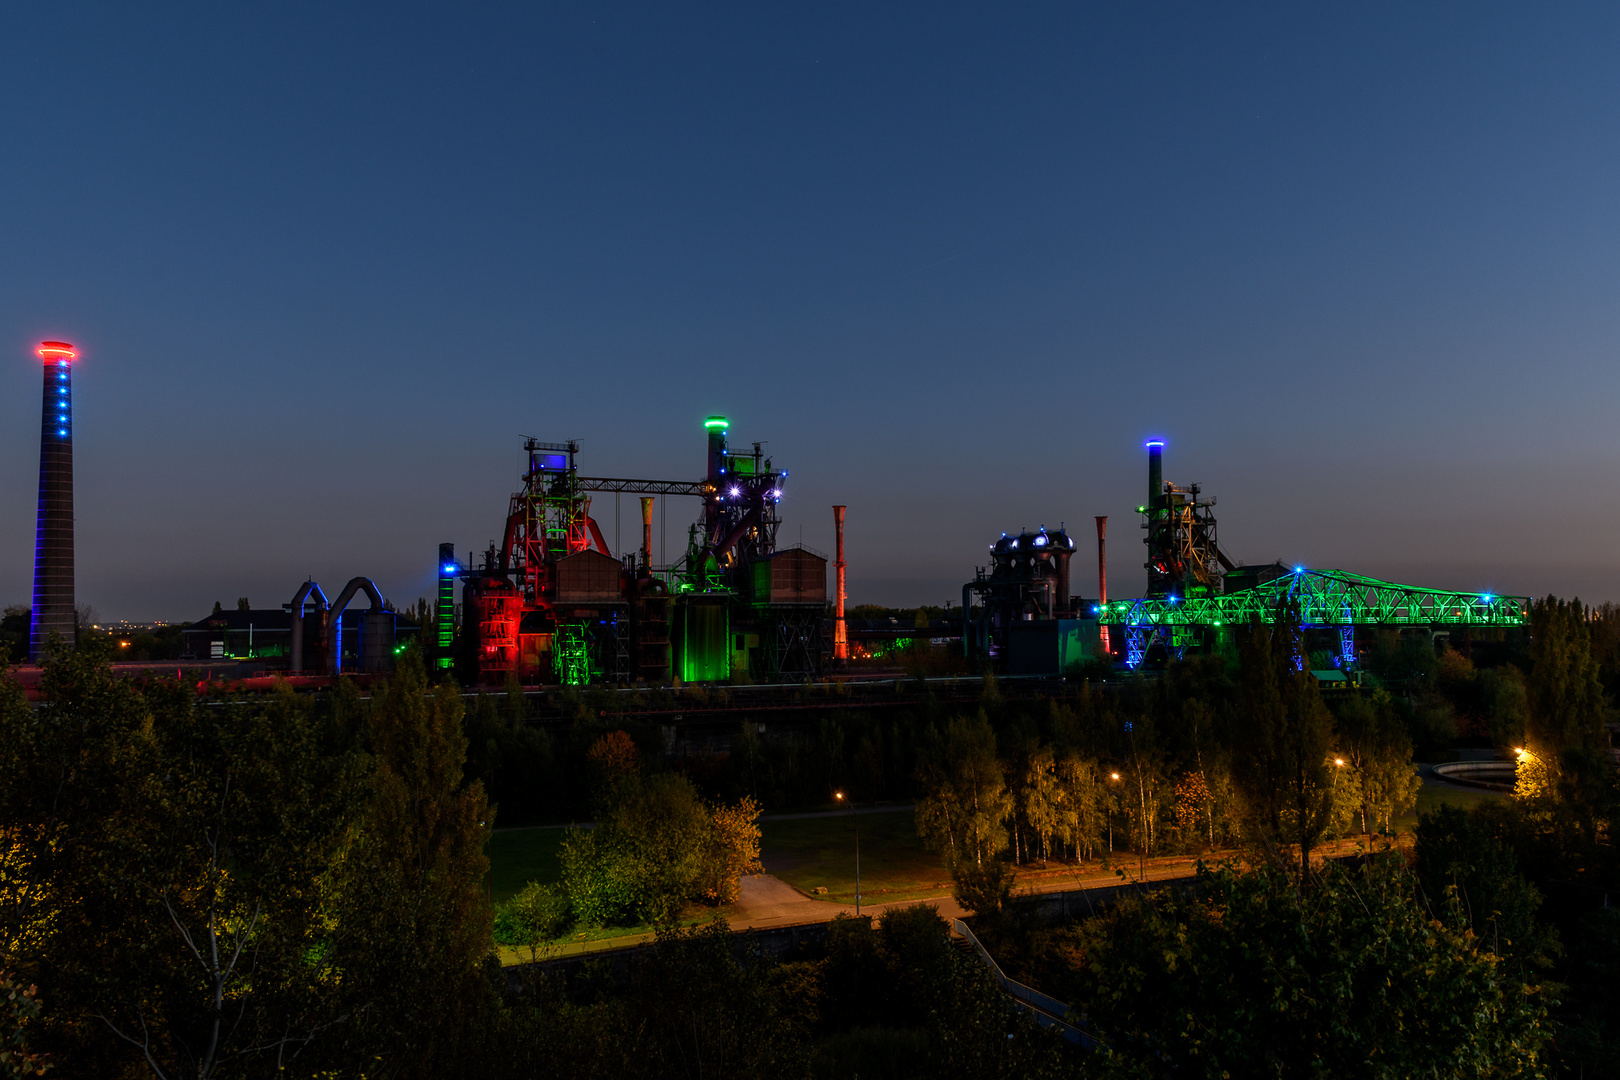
<point x="1324" y="598"/>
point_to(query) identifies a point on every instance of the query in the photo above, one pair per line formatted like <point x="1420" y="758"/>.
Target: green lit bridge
<point x="1323" y="599"/>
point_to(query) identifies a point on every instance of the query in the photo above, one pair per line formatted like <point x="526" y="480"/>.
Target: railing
<point x="1047" y="1011"/>
<point x="1499" y="775"/>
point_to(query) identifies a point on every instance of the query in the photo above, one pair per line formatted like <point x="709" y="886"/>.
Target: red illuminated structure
<point x="840" y="628"/>
<point x="53" y="536"/>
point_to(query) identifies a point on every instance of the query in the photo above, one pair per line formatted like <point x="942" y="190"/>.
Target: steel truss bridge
<point x="1322" y="598"/>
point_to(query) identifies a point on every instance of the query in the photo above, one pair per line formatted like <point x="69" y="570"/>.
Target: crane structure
<point x="1321" y="599"/>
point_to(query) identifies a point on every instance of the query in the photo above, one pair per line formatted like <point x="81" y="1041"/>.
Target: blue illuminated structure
<point x="53" y="535"/>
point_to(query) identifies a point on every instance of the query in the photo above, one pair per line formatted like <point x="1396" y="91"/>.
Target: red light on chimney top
<point x="57" y="350"/>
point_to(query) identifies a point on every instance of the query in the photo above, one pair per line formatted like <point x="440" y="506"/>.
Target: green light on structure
<point x="571" y="655"/>
<point x="445" y="617"/>
<point x="716" y="422"/>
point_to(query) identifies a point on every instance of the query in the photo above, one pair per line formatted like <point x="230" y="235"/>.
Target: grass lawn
<point x="1432" y="796"/>
<point x="609" y="937"/>
<point x="521" y="856"/>
<point x="811" y="852"/>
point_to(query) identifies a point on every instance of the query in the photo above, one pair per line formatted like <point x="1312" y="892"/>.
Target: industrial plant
<point x="1026" y="622"/>
<point x="553" y="604"/>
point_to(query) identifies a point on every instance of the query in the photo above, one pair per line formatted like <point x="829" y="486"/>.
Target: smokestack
<point x="1102" y="574"/>
<point x="716" y="427"/>
<point x="53" y="533"/>
<point x="1060" y="603"/>
<point x="646" y="532"/>
<point x="1155" y="474"/>
<point x="840" y="629"/>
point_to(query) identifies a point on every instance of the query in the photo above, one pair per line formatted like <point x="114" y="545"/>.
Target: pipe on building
<point x="967" y="621"/>
<point x="298" y="601"/>
<point x="334" y="625"/>
<point x="596" y="534"/>
<point x="646" y="532"/>
<point x="1102" y="575"/>
<point x="840" y="628"/>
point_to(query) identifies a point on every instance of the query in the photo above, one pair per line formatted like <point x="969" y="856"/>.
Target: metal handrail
<point x="1048" y="1011"/>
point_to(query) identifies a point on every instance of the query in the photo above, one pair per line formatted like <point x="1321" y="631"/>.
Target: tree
<point x="1280" y="763"/>
<point x="412" y="925"/>
<point x="1473" y="881"/>
<point x="1504" y="700"/>
<point x="1263" y="974"/>
<point x="733" y="850"/>
<point x="1565" y="730"/>
<point x="657" y="847"/>
<point x="964" y="814"/>
<point x="1042" y="797"/>
<point x="1378" y="753"/>
<point x="1081" y="807"/>
<point x="164" y="885"/>
<point x="19" y="1010"/>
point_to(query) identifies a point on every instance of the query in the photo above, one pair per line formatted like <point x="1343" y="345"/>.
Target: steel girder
<point x="1323" y="598"/>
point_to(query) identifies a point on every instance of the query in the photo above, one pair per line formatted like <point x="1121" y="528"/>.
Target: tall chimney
<point x="646" y="532"/>
<point x="53" y="533"/>
<point x="1102" y="575"/>
<point x="840" y="629"/>
<point x="1155" y="451"/>
<point x="716" y="428"/>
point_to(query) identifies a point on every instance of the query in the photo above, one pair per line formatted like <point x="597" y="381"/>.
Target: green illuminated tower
<point x="446" y="616"/>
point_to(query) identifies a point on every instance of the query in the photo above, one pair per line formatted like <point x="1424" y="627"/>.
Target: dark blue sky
<point x="326" y="264"/>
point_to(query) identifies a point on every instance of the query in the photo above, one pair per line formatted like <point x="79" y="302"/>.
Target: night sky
<point x="326" y="264"/>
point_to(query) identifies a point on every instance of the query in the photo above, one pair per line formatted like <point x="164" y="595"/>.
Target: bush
<point x="983" y="890"/>
<point x="538" y="914"/>
<point x="600" y="880"/>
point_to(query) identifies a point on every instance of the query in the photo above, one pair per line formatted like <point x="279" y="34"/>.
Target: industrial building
<point x="1027" y="623"/>
<point x="553" y="603"/>
<point x="309" y="635"/>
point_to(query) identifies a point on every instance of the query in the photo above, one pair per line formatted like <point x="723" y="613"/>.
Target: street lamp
<point x="1115" y="777"/>
<point x="839" y="795"/>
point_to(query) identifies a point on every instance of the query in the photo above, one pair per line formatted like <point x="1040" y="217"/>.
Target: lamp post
<point x="1114" y="776"/>
<point x="839" y="795"/>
